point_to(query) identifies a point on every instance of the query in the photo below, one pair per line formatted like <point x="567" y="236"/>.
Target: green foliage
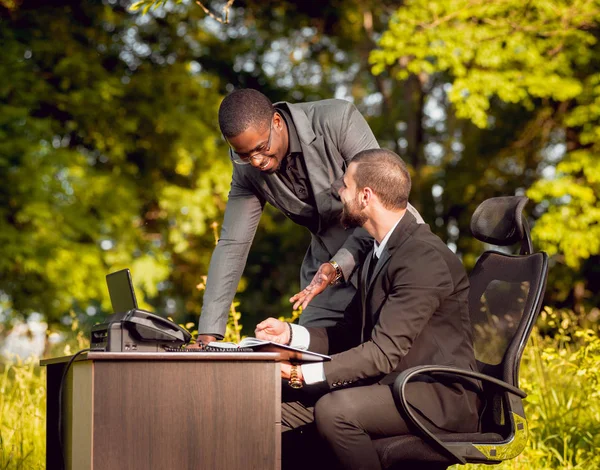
<point x="562" y="406"/>
<point x="145" y="5"/>
<point x="517" y="51"/>
<point x="22" y="415"/>
<point x="114" y="159"/>
<point x="536" y="58"/>
<point x="109" y="138"/>
<point x="570" y="227"/>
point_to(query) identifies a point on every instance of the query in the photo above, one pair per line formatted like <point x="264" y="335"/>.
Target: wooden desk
<point x="166" y="411"/>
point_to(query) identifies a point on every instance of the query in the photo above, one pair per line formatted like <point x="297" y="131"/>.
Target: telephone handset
<point x="137" y="331"/>
<point x="145" y="326"/>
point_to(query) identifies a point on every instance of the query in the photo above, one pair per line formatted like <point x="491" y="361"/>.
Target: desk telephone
<point x="133" y="329"/>
<point x="138" y="330"/>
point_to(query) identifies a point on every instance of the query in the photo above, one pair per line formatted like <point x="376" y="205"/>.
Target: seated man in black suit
<point x="410" y="309"/>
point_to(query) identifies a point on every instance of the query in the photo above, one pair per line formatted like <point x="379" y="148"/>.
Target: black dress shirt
<point x="293" y="172"/>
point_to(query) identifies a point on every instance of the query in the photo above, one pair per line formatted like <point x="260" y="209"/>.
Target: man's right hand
<point x="200" y="340"/>
<point x="273" y="330"/>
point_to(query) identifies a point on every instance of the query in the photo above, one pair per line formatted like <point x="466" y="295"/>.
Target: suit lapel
<point x="364" y="280"/>
<point x="321" y="176"/>
<point x="403" y="230"/>
<point x="381" y="262"/>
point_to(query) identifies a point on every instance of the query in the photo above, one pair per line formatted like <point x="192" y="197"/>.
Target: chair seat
<point x="412" y="448"/>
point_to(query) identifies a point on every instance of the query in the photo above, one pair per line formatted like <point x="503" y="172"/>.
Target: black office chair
<point x="505" y="298"/>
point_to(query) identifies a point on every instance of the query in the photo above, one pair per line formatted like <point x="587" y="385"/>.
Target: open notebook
<point x="289" y="353"/>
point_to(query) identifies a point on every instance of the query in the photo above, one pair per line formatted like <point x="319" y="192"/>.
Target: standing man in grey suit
<point x="411" y="309"/>
<point x="288" y="155"/>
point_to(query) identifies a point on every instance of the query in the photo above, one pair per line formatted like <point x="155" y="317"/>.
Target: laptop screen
<point x="120" y="289"/>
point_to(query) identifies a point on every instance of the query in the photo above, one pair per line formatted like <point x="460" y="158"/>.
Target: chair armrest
<point x="399" y="387"/>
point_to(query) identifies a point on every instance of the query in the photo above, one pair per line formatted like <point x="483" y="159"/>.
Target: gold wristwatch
<point x="295" y="381"/>
<point x="338" y="273"/>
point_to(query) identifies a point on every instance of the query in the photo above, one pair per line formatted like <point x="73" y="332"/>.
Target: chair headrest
<point x="499" y="220"/>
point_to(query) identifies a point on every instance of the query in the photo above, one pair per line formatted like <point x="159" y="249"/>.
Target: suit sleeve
<point x="242" y="214"/>
<point x="355" y="135"/>
<point x="416" y="291"/>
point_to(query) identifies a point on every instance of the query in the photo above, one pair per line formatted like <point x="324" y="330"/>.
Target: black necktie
<point x="371" y="268"/>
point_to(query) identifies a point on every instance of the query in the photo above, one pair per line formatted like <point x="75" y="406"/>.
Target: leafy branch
<point x="146" y="5"/>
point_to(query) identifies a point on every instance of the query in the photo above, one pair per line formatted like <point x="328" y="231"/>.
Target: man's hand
<point x="286" y="367"/>
<point x="273" y="330"/>
<point x="200" y="340"/>
<point x="324" y="276"/>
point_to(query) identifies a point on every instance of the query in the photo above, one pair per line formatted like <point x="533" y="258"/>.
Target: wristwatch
<point x="295" y="381"/>
<point x="338" y="273"/>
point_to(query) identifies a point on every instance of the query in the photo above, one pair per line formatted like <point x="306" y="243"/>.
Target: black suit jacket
<point x="413" y="311"/>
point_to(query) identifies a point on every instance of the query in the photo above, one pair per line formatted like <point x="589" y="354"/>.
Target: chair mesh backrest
<point x="504" y="300"/>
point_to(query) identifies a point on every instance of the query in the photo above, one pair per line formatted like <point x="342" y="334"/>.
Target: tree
<point x="538" y="56"/>
<point x="112" y="153"/>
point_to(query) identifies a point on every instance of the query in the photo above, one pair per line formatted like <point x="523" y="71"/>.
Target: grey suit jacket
<point x="413" y="311"/>
<point x="331" y="133"/>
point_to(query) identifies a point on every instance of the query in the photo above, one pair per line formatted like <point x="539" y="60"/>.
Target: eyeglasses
<point x="245" y="159"/>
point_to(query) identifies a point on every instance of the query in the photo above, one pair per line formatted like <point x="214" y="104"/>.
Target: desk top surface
<point x="166" y="356"/>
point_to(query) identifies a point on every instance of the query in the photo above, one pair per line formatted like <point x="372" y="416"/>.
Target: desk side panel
<point x="79" y="443"/>
<point x="166" y="414"/>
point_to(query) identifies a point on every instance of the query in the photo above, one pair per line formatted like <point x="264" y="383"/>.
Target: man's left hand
<point x="324" y="276"/>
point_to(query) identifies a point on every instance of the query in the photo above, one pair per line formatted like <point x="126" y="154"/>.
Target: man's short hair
<point x="242" y="109"/>
<point x="386" y="174"/>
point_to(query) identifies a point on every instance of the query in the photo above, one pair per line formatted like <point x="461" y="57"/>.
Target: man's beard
<point x="351" y="216"/>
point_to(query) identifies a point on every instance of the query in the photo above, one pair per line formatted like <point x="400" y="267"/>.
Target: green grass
<point x="22" y="416"/>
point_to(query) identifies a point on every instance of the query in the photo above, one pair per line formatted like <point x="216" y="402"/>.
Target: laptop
<point x="120" y="289"/>
<point x="131" y="329"/>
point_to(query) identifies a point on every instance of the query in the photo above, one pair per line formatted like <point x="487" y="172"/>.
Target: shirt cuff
<point x="313" y="373"/>
<point x="300" y="337"/>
